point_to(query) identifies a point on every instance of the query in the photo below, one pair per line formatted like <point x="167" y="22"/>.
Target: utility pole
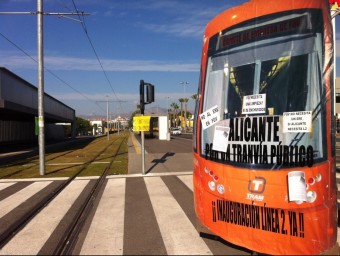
<point x="168" y="118"/>
<point x="167" y="105"/>
<point x="40" y="44"/>
<point x="107" y="113"/>
<point x="107" y="116"/>
<point x="150" y="97"/>
<point x="41" y="120"/>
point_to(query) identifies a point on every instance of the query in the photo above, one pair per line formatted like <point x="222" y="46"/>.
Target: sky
<point x="117" y="43"/>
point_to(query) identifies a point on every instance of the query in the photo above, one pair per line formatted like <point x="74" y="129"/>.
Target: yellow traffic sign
<point x="141" y="123"/>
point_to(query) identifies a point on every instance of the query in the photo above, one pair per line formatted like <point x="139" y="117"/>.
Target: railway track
<point x="79" y="216"/>
<point x="64" y="153"/>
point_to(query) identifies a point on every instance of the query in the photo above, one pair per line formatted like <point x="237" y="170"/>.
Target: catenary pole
<point x="40" y="48"/>
<point x="107" y="113"/>
<point x="41" y="120"/>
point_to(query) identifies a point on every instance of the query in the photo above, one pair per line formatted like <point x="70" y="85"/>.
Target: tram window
<point x="241" y="83"/>
<point x="284" y="81"/>
<point x="290" y="84"/>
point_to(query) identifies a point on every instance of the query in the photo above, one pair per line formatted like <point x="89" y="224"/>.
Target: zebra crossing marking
<point x="107" y="229"/>
<point x="21" y="196"/>
<point x="34" y="235"/>
<point x="105" y="236"/>
<point x="5" y="185"/>
<point x="187" y="180"/>
<point x="171" y="218"/>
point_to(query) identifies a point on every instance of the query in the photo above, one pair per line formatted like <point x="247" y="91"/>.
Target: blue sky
<point x="155" y="41"/>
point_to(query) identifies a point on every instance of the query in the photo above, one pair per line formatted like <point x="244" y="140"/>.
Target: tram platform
<point x="160" y="156"/>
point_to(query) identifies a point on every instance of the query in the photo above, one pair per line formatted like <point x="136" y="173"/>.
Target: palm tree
<point x="181" y="100"/>
<point x="185" y="100"/>
<point x="194" y="96"/>
<point x="174" y="106"/>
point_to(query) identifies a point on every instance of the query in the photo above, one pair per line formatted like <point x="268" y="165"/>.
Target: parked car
<point x="176" y="131"/>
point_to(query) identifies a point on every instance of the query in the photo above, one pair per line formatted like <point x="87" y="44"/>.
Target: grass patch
<point x="65" y="161"/>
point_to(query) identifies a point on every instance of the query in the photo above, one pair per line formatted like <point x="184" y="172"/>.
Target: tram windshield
<point x="268" y="95"/>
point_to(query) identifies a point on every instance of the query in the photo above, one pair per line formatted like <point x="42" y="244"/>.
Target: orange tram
<point x="264" y="134"/>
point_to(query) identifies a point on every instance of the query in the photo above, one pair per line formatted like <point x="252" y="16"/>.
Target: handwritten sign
<point x="297" y="121"/>
<point x="210" y="117"/>
<point x="141" y="123"/>
<point x="254" y="104"/>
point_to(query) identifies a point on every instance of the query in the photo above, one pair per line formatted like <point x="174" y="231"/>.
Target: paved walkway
<point x="163" y="160"/>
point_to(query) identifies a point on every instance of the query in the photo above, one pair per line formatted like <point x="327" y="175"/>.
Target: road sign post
<point x="150" y="97"/>
<point x="142" y="124"/>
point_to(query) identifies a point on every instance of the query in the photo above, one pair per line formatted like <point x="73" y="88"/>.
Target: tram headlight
<point x="311" y="196"/>
<point x="318" y="177"/>
<point x="212" y="185"/>
<point x="220" y="189"/>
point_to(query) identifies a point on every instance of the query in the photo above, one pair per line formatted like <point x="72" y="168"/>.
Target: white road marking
<point x="187" y="180"/>
<point x="35" y="234"/>
<point x="179" y="235"/>
<point x="106" y="234"/>
<point x="21" y="196"/>
<point x="6" y="185"/>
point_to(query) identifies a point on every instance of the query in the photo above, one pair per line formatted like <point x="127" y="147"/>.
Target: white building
<point x="98" y="126"/>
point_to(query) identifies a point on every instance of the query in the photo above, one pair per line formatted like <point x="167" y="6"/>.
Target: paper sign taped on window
<point x="254" y="104"/>
<point x="210" y="117"/>
<point x="221" y="136"/>
<point x="300" y="121"/>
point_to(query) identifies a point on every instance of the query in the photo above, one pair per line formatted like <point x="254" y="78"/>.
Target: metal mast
<point x="41" y="122"/>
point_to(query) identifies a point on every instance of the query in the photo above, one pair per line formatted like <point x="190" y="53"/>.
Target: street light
<point x="184" y="84"/>
<point x="167" y="104"/>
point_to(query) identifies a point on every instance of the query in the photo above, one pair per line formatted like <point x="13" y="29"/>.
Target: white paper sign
<point x="297" y="121"/>
<point x="297" y="186"/>
<point x="221" y="135"/>
<point x="210" y="117"/>
<point x="254" y="104"/>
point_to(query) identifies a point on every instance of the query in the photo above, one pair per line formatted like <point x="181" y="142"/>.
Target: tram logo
<point x="257" y="185"/>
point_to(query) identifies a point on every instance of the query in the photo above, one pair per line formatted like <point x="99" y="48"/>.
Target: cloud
<point x="83" y="64"/>
<point x="185" y="21"/>
<point x="178" y="18"/>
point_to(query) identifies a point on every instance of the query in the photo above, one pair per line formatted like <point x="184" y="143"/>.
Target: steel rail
<point x="66" y="246"/>
<point x="12" y="230"/>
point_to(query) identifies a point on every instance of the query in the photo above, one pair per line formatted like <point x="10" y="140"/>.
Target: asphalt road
<point x="136" y="214"/>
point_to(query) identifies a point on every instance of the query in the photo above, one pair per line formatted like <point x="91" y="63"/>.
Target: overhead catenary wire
<point x="82" y="21"/>
<point x="81" y="17"/>
<point x="50" y="72"/>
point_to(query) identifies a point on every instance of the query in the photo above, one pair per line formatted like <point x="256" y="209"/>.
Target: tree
<point x="185" y="100"/>
<point x="194" y="97"/>
<point x="181" y="100"/>
<point x="83" y="126"/>
<point x="132" y="115"/>
<point x="174" y="106"/>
